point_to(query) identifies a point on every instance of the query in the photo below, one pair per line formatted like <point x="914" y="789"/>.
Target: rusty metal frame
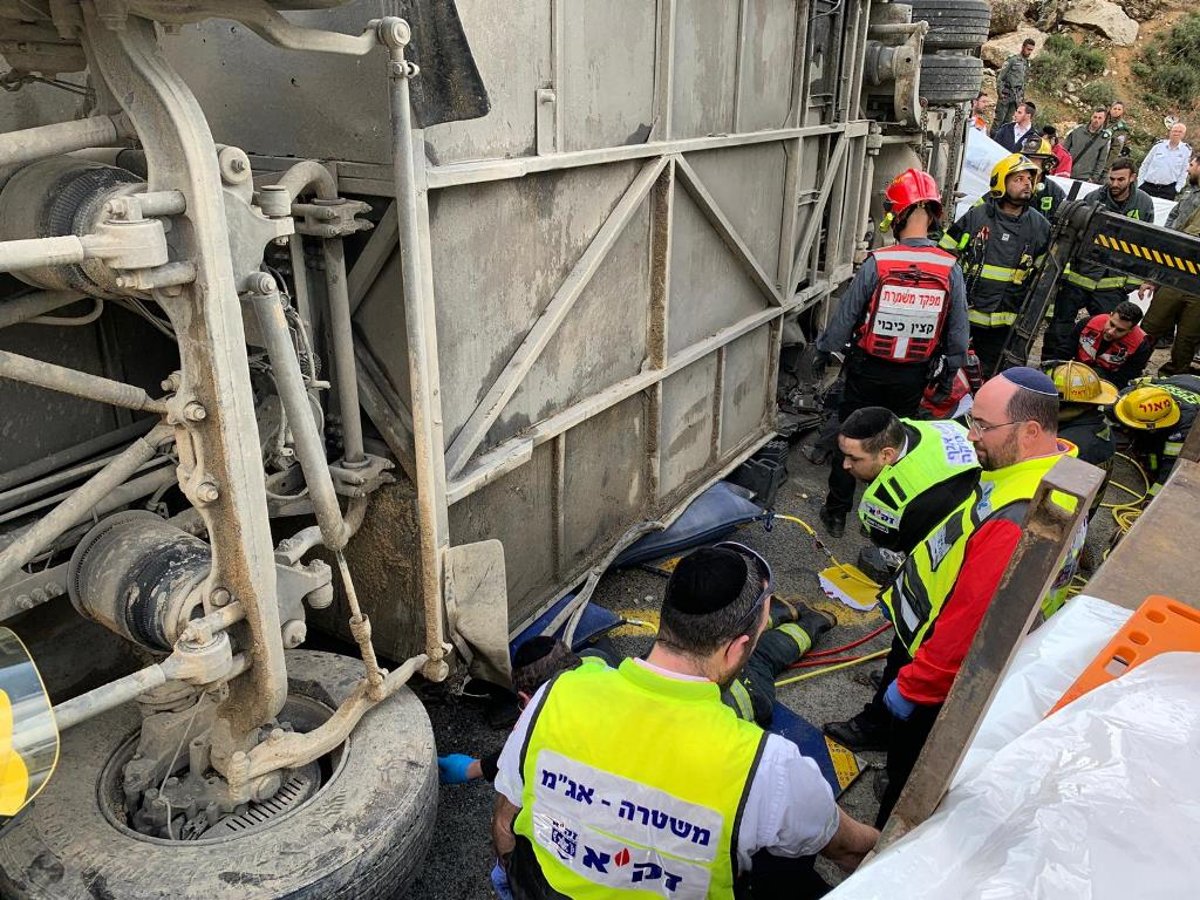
<point x="1048" y="531"/>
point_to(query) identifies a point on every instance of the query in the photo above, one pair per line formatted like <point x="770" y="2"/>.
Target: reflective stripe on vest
<point x="1108" y="283"/>
<point x="991" y="319"/>
<point x="930" y="572"/>
<point x="942" y="452"/>
<point x="634" y="783"/>
<point x="989" y="272"/>
<point x="907" y="310"/>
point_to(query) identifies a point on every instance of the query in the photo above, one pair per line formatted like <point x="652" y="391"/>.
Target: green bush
<point x="1170" y="64"/>
<point x="1061" y="58"/>
<point x="1098" y="93"/>
<point x="1059" y="44"/>
<point x="1089" y="60"/>
<point x="1050" y="70"/>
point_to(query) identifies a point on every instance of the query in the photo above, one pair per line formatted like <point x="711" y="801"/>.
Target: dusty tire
<point x="947" y="80"/>
<point x="362" y="836"/>
<point x="953" y="24"/>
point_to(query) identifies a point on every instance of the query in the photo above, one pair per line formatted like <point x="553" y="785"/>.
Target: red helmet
<point x="910" y="187"/>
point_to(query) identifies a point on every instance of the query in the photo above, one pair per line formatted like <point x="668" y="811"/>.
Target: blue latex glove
<point x="452" y="769"/>
<point x="898" y="705"/>
<point x="500" y="883"/>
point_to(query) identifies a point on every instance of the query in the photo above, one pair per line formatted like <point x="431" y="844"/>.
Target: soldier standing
<point x="1010" y="83"/>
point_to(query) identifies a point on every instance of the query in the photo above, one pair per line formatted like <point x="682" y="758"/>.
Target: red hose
<point x="844" y="647"/>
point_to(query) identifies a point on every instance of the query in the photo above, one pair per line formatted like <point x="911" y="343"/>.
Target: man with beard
<point x="1091" y="285"/>
<point x="1172" y="310"/>
<point x="998" y="242"/>
<point x="951" y="577"/>
<point x="1088" y="145"/>
<point x="615" y="778"/>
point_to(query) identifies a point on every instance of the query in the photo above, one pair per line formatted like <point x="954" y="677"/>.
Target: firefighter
<point x="1093" y="286"/>
<point x="999" y="241"/>
<point x="1113" y="343"/>
<point x="916" y="474"/>
<point x="1081" y="418"/>
<point x="949" y="580"/>
<point x="1048" y="196"/>
<point x="1157" y="413"/>
<point x="905" y="315"/>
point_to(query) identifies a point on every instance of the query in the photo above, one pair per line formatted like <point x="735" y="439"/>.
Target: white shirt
<point x="789" y="811"/>
<point x="1165" y="164"/>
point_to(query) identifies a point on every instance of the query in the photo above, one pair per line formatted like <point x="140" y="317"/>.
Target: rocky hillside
<point x="1105" y="60"/>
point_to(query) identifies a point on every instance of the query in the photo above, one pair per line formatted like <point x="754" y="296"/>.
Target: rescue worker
<point x="998" y="242"/>
<point x="947" y="583"/>
<point x="639" y="779"/>
<point x="1048" y="196"/>
<point x="1113" y="343"/>
<point x="1093" y="286"/>
<point x="917" y="473"/>
<point x="905" y="313"/>
<point x="1172" y="310"/>
<point x="1088" y="145"/>
<point x="1158" y="413"/>
<point x="1010" y="83"/>
<point x="1065" y="163"/>
<point x="1081" y="418"/>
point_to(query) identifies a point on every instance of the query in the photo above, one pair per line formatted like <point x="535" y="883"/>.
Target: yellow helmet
<point x="1147" y="409"/>
<point x="1011" y="165"/>
<point x="1077" y="383"/>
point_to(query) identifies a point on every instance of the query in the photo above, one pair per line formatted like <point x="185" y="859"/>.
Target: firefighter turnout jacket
<point x="1095" y="277"/>
<point x="1119" y="360"/>
<point x="1160" y="449"/>
<point x="997" y="252"/>
<point x="915" y="492"/>
<point x="1048" y="198"/>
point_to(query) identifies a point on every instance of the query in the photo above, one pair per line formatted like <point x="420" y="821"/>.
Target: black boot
<point x="834" y="522"/>
<point x="863" y="732"/>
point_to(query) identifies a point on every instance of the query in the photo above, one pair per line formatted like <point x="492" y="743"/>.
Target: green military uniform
<point x="1010" y="86"/>
<point x="1120" y="136"/>
<point x="1089" y="152"/>
<point x="1171" y="308"/>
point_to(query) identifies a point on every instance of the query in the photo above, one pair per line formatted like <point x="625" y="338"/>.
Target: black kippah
<point x="706" y="581"/>
<point x="866" y="423"/>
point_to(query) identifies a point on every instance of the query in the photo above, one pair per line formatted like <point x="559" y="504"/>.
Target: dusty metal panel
<point x="747" y="183"/>
<point x="686" y="442"/>
<point x="602" y="341"/>
<point x="768" y="49"/>
<point x="604" y="488"/>
<point x="519" y="509"/>
<point x="709" y="290"/>
<point x="745" y="393"/>
<point x="606" y="89"/>
<point x="380" y="325"/>
<point x="499" y="252"/>
<point x="706" y="33"/>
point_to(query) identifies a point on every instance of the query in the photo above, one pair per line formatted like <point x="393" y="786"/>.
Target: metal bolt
<point x="24" y="601"/>
<point x="172" y="781"/>
<point x="207" y="492"/>
<point x="54" y="589"/>
<point x="262" y="283"/>
<point x="220" y="597"/>
<point x="237" y="164"/>
<point x="39" y="596"/>
<point x="267" y="786"/>
<point x="195" y="412"/>
<point x="293" y="632"/>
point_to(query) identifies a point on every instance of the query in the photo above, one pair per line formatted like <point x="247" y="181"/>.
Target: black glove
<point x="945" y="386"/>
<point x="820" y="362"/>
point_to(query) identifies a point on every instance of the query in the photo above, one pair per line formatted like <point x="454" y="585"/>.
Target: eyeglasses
<point x="765" y="576"/>
<point x="975" y="425"/>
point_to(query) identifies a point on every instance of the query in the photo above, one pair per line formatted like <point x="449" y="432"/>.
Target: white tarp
<point x="982" y="153"/>
<point x="1101" y="800"/>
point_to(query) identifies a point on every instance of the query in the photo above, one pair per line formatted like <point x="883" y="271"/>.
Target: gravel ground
<point x="458" y="864"/>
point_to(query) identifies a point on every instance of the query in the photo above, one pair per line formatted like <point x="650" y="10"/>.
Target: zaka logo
<point x="622" y="857"/>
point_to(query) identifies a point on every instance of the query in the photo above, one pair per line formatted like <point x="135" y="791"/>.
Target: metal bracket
<point x="331" y="218"/>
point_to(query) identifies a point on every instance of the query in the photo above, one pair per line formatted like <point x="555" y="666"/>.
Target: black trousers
<point x="872" y="382"/>
<point x="905" y="742"/>
<point x="988" y="344"/>
<point x="875" y="714"/>
<point x="1162" y="191"/>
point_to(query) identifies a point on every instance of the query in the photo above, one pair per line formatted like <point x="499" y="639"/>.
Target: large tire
<point x="362" y="836"/>
<point x="947" y="80"/>
<point x="953" y="24"/>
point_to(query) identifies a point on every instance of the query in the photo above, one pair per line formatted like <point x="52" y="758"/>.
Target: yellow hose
<point x="842" y="665"/>
<point x="852" y="574"/>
